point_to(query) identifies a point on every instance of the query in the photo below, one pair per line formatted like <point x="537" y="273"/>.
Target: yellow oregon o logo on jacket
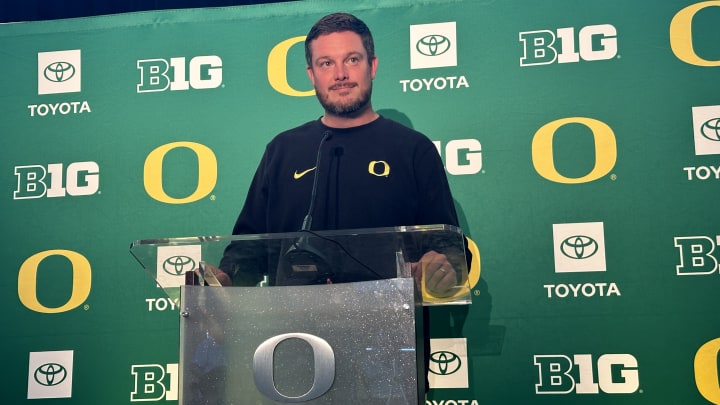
<point x="379" y="168"/>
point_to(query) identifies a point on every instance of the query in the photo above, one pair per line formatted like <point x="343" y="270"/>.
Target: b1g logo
<point x="55" y="180"/>
<point x="50" y="375"/>
<point x="154" y="382"/>
<point x="59" y="72"/>
<point x="202" y="72"/>
<point x="594" y="42"/>
<point x="612" y="374"/>
<point x="696" y="255"/>
<point x="462" y="156"/>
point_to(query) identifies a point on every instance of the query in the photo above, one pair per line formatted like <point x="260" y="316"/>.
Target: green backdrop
<point x="581" y="141"/>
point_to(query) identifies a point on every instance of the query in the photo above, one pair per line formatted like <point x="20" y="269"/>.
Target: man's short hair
<point x="340" y="22"/>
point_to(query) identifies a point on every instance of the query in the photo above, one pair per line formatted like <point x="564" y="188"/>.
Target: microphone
<point x="307" y="221"/>
<point x="306" y="260"/>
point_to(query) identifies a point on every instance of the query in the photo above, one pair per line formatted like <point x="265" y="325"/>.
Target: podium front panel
<point x="318" y="344"/>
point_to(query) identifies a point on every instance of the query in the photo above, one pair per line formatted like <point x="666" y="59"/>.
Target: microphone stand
<point x="304" y="258"/>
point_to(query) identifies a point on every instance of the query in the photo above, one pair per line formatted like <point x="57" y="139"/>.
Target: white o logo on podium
<point x="323" y="378"/>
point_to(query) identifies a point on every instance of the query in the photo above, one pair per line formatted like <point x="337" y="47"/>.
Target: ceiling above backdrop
<point x="36" y="10"/>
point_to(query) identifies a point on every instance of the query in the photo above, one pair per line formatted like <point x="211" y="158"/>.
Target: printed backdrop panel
<point x="581" y="141"/>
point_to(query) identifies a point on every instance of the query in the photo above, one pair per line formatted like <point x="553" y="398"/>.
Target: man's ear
<point x="311" y="75"/>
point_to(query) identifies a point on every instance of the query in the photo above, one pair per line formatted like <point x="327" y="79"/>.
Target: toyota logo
<point x="579" y="247"/>
<point x="177" y="265"/>
<point x="433" y="45"/>
<point x="50" y="374"/>
<point x="59" y="72"/>
<point x="444" y="362"/>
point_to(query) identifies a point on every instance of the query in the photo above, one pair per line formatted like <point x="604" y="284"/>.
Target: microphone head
<point x="307" y="262"/>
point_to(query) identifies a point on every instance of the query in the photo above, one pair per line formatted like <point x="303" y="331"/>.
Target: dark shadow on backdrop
<point x="448" y="321"/>
<point x="38" y="10"/>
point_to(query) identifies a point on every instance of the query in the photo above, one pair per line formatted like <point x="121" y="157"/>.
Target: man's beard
<point x="346" y="109"/>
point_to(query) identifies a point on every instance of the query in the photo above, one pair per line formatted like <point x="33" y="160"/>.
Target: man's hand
<point x="436" y="272"/>
<point x="222" y="277"/>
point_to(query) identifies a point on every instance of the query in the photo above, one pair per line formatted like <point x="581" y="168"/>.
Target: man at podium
<point x="352" y="167"/>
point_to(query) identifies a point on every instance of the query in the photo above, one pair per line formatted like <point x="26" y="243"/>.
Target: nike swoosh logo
<point x="297" y="175"/>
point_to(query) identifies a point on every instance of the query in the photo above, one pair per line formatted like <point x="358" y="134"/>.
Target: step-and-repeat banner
<point x="581" y="140"/>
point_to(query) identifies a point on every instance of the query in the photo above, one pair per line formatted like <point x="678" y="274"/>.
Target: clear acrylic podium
<point x="328" y="316"/>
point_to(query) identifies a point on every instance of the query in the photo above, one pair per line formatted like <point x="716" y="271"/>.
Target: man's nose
<point x="341" y="72"/>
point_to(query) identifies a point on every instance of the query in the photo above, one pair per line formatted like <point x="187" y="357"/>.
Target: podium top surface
<point x="438" y="229"/>
<point x="432" y="254"/>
